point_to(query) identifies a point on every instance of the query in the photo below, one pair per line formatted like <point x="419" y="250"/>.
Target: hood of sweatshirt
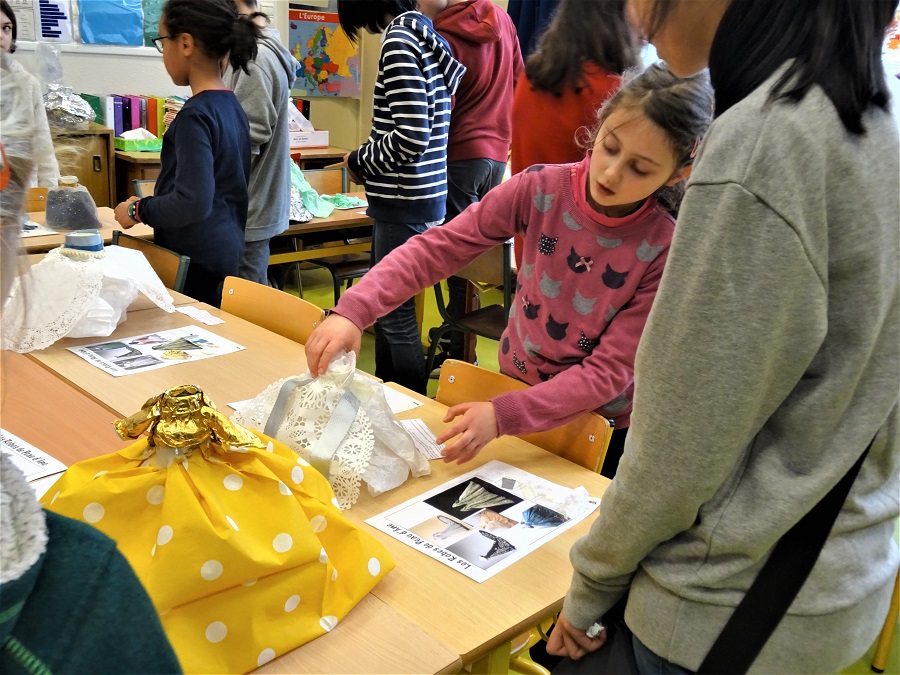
<point x="451" y="69"/>
<point x="473" y="21"/>
<point x="271" y="39"/>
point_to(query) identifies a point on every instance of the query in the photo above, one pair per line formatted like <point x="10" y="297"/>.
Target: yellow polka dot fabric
<point x="246" y="555"/>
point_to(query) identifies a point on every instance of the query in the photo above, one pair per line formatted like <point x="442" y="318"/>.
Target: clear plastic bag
<point x="339" y="422"/>
<point x="71" y="208"/>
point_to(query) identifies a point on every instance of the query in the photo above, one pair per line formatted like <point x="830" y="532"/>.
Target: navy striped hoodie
<point x="404" y="162"/>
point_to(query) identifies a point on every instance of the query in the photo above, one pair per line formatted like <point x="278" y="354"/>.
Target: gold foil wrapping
<point x="183" y="418"/>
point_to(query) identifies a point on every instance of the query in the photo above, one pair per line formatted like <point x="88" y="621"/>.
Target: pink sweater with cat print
<point x="584" y="291"/>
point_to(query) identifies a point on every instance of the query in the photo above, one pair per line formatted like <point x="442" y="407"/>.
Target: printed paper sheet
<point x="155" y="350"/>
<point x="482" y="522"/>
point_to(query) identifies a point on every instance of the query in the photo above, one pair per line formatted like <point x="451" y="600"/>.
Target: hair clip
<point x="695" y="148"/>
<point x="4" y="169"/>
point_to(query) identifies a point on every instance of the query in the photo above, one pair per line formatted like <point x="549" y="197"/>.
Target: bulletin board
<point x="124" y="23"/>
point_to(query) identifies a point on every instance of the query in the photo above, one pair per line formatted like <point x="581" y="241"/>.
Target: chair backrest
<point x="492" y="268"/>
<point x="170" y="267"/>
<point x="269" y="308"/>
<point x="583" y="441"/>
<point x="36" y="199"/>
<point x="327" y="181"/>
<point x="143" y="188"/>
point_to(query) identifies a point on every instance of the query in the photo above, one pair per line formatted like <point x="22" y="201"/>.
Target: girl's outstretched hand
<point x="334" y="334"/>
<point x="121" y="213"/>
<point x="566" y="640"/>
<point x="476" y="428"/>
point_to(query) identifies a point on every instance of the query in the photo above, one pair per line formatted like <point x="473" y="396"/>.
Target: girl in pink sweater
<point x="596" y="237"/>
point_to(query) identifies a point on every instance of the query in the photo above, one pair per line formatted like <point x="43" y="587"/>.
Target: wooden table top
<point x="105" y="215"/>
<point x="495" y="611"/>
<point x="339" y="218"/>
<point x="302" y="154"/>
<point x="225" y="379"/>
<point x="43" y="409"/>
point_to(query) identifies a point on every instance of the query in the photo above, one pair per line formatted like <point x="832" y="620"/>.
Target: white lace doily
<point x="308" y="411"/>
<point x="60" y="296"/>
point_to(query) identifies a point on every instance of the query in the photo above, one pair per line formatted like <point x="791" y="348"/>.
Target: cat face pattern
<point x="575" y="276"/>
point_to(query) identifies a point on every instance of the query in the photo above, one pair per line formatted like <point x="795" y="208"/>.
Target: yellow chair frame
<point x="170" y="267"/>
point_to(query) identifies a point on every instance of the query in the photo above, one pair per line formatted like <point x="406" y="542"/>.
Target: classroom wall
<point x="139" y="70"/>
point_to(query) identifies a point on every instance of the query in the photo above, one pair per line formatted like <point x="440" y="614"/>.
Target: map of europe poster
<point x="329" y="62"/>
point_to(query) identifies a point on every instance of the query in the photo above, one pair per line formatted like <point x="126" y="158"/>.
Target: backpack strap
<point x="779" y="581"/>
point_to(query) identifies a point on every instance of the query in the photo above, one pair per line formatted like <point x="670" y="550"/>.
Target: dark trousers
<point x="468" y="181"/>
<point x="398" y="343"/>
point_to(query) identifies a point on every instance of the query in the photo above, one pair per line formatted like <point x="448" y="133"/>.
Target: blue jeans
<point x="468" y="181"/>
<point x="398" y="344"/>
<point x="255" y="262"/>
<point x="650" y="663"/>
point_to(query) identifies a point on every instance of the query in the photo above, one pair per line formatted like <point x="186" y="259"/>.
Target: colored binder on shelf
<point x="144" y="116"/>
<point x="96" y="105"/>
<point x="135" y="112"/>
<point x="118" y="115"/>
<point x="160" y="116"/>
<point x="126" y="112"/>
<point x="152" y="118"/>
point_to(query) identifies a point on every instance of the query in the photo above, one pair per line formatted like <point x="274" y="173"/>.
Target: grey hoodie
<point x="769" y="361"/>
<point x="264" y="94"/>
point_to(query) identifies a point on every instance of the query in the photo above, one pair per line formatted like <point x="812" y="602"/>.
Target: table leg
<point x="495" y="662"/>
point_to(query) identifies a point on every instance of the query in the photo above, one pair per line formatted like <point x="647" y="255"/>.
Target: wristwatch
<point x="133" y="211"/>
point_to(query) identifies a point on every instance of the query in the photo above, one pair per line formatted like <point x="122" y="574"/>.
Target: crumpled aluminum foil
<point x="66" y="109"/>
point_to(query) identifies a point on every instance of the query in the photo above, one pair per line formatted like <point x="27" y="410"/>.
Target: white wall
<point x="139" y="70"/>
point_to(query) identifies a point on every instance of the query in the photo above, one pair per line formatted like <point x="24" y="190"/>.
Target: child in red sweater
<point x="596" y="235"/>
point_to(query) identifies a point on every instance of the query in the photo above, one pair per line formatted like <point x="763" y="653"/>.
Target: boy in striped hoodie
<point x="403" y="164"/>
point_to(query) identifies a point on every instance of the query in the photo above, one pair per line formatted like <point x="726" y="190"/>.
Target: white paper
<point x="54" y="20"/>
<point x="200" y="315"/>
<point x="34" y="463"/>
<point x="155" y="350"/>
<point x="41" y="485"/>
<point x="400" y="402"/>
<point x="237" y="405"/>
<point x="483" y="521"/>
<point x="424" y="438"/>
<point x="24" y="11"/>
<point x="35" y="230"/>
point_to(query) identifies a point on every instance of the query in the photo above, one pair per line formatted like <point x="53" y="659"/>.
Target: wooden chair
<point x="271" y="309"/>
<point x="492" y="268"/>
<point x="583" y="441"/>
<point x="343" y="268"/>
<point x="170" y="267"/>
<point x="143" y="188"/>
<point x="36" y="200"/>
<point x="883" y="647"/>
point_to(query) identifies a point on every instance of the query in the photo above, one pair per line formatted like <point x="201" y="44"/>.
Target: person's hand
<point x="122" y="217"/>
<point x="476" y="428"/>
<point x="328" y="339"/>
<point x="345" y="164"/>
<point x="566" y="640"/>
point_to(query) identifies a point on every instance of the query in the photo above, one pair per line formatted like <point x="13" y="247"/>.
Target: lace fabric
<point x="64" y="297"/>
<point x="375" y="449"/>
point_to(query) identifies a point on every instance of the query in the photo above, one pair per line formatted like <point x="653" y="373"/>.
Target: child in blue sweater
<point x="403" y="164"/>
<point x="199" y="208"/>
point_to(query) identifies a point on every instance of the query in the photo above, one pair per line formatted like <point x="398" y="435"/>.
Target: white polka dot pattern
<point x="282" y="542"/>
<point x="93" y="512"/>
<point x="216" y="632"/>
<point x="155" y="495"/>
<point x="233" y="482"/>
<point x="211" y="570"/>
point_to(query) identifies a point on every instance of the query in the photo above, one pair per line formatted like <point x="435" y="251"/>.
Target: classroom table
<point x="323" y="230"/>
<point x="132" y="166"/>
<point x="45" y="411"/>
<point x="107" y="218"/>
<point x="476" y="621"/>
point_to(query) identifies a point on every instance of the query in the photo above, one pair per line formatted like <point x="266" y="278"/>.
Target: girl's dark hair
<point x="681" y="107"/>
<point x="582" y="31"/>
<point x="6" y="9"/>
<point x="218" y="28"/>
<point x="370" y="14"/>
<point x="835" y="44"/>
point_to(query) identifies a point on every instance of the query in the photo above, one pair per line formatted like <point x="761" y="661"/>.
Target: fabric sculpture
<point x="240" y="544"/>
<point x="477" y="497"/>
